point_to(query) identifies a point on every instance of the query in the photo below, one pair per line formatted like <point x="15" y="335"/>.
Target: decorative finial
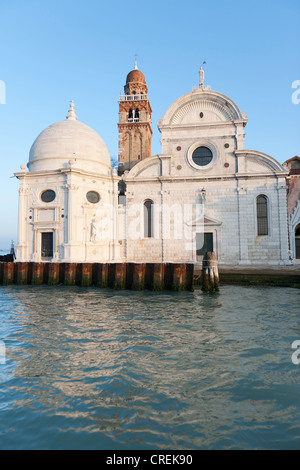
<point x="202" y="75"/>
<point x="135" y="62"/>
<point x="72" y="114"/>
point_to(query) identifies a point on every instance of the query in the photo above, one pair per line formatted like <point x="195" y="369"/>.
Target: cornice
<point x="193" y="178"/>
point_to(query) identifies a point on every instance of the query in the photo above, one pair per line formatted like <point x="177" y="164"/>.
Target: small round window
<point x="48" y="196"/>
<point x="93" y="197"/>
<point x="202" y="156"/>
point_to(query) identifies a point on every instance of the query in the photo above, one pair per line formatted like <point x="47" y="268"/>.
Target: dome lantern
<point x="72" y="112"/>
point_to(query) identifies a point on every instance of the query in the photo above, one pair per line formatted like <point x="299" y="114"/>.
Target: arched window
<point x="262" y="215"/>
<point x="122" y="192"/>
<point x="148" y="219"/>
<point x="133" y="115"/>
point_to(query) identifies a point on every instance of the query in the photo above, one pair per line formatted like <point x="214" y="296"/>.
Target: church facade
<point x="293" y="180"/>
<point x="204" y="192"/>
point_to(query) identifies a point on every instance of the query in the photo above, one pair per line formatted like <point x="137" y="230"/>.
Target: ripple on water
<point x="101" y="369"/>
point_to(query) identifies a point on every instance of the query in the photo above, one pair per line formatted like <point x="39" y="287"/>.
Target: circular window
<point x="202" y="156"/>
<point x="48" y="196"/>
<point x="93" y="197"/>
<point x="201" y="115"/>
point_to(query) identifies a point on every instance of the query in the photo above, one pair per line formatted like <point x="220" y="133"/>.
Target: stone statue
<point x="201" y="76"/>
<point x="94" y="230"/>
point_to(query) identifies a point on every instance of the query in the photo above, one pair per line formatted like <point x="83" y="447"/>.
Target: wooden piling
<point x="21" y="273"/>
<point x="179" y="277"/>
<point x="134" y="276"/>
<point x="111" y="275"/>
<point x="37" y="274"/>
<point x="149" y="269"/>
<point x="100" y="275"/>
<point x="53" y="277"/>
<point x="69" y="270"/>
<point x="120" y="276"/>
<point x="138" y="278"/>
<point x="210" y="272"/>
<point x="1" y="272"/>
<point x="158" y="277"/>
<point x="8" y="273"/>
<point x="86" y="274"/>
<point x="189" y="277"/>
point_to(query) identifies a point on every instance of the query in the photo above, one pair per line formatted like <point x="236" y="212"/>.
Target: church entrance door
<point x="204" y="243"/>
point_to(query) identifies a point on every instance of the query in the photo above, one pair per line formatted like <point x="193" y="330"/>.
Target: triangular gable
<point x="208" y="221"/>
<point x="296" y="158"/>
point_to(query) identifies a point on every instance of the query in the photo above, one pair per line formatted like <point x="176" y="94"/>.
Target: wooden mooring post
<point x="210" y="272"/>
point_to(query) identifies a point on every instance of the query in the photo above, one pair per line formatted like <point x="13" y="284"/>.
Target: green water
<point x="101" y="369"/>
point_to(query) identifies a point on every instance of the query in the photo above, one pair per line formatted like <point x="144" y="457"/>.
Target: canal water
<point x="103" y="369"/>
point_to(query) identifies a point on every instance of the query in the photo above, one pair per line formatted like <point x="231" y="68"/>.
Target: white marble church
<point x="204" y="192"/>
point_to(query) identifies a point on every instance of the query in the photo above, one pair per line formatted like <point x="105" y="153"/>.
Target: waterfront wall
<point x="153" y="276"/>
<point x="7" y="258"/>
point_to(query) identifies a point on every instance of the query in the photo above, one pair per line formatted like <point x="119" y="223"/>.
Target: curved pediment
<point x="190" y="113"/>
<point x="146" y="168"/>
<point x="200" y="107"/>
<point x="252" y="161"/>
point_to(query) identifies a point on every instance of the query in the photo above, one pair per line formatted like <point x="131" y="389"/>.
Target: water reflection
<point x="90" y="368"/>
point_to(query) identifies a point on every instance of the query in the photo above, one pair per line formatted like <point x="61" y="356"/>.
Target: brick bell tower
<point x="134" y="125"/>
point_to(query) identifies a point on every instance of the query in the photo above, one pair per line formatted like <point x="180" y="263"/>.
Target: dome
<point x="135" y="76"/>
<point x="66" y="141"/>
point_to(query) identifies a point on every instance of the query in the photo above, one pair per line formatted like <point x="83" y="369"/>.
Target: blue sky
<point x="55" y="51"/>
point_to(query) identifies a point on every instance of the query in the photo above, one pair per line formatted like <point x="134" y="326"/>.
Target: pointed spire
<point x="135" y="62"/>
<point x="72" y="114"/>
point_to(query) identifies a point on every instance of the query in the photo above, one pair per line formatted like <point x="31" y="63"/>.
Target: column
<point x="21" y="223"/>
<point x="243" y="230"/>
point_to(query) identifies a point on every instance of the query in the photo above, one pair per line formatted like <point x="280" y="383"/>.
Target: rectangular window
<point x="47" y="245"/>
